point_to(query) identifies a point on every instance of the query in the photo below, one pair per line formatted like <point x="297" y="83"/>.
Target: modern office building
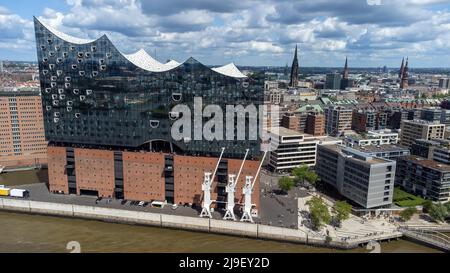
<point x="387" y="151"/>
<point x="365" y="180"/>
<point x="292" y="149"/>
<point x="436" y="115"/>
<point x="411" y="130"/>
<point x="380" y="137"/>
<point x="396" y="117"/>
<point x="315" y="124"/>
<point x="424" y="148"/>
<point x="293" y="122"/>
<point x="436" y="149"/>
<point x="444" y="83"/>
<point x="424" y="177"/>
<point x="442" y="154"/>
<point x="333" y="81"/>
<point x="366" y="120"/>
<point x="337" y="119"/>
<point x="110" y="120"/>
<point x="22" y="137"/>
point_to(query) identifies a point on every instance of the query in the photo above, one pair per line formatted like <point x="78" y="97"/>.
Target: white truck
<point x="19" y="193"/>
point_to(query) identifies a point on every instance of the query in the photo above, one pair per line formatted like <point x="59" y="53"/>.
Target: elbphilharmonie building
<point x="108" y="118"/>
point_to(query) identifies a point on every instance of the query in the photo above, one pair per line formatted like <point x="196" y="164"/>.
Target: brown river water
<point x="35" y="233"/>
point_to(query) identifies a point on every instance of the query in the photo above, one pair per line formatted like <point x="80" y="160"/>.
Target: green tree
<point x="300" y="173"/>
<point x="312" y="178"/>
<point x="342" y="210"/>
<point x="286" y="183"/>
<point x="318" y="211"/>
<point x="438" y="212"/>
<point x="427" y="206"/>
<point x="447" y="205"/>
<point x="408" y="213"/>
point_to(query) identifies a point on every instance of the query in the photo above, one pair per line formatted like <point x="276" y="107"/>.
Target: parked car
<point x="123" y="202"/>
<point x="174" y="206"/>
<point x="141" y="204"/>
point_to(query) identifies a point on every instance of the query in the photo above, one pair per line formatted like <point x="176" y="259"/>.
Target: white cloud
<point x="260" y="32"/>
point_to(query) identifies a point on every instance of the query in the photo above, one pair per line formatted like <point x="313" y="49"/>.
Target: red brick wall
<point x="56" y="169"/>
<point x="189" y="175"/>
<point x="143" y="176"/>
<point x="95" y="171"/>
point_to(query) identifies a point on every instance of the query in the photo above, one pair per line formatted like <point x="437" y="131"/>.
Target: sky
<point x="372" y="33"/>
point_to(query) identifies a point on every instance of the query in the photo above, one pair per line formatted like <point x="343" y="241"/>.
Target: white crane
<point x="206" y="188"/>
<point x="248" y="190"/>
<point x="231" y="189"/>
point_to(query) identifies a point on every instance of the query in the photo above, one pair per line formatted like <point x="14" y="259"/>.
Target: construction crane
<point x="231" y="189"/>
<point x="206" y="188"/>
<point x="248" y="190"/>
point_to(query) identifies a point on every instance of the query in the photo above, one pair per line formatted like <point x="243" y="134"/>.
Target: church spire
<point x="345" y="72"/>
<point x="404" y="80"/>
<point x="400" y="73"/>
<point x="294" y="70"/>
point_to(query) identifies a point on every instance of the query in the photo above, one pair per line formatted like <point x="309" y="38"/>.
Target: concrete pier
<point x="256" y="231"/>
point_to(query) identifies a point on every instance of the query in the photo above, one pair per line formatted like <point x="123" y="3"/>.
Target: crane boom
<point x="259" y="169"/>
<point x="217" y="166"/>
<point x="242" y="165"/>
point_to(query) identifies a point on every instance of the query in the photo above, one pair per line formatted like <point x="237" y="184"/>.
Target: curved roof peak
<point x="143" y="60"/>
<point x="65" y="37"/>
<point x="229" y="70"/>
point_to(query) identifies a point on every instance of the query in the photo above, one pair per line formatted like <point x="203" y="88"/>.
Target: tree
<point x="318" y="211"/>
<point x="286" y="183"/>
<point x="438" y="212"/>
<point x="300" y="173"/>
<point x="427" y="206"/>
<point x="447" y="205"/>
<point x="312" y="178"/>
<point x="342" y="210"/>
<point x="408" y="213"/>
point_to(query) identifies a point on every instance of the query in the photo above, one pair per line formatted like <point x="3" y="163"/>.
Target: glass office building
<point x="94" y="95"/>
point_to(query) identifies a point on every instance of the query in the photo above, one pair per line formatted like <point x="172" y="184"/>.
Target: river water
<point x="35" y="233"/>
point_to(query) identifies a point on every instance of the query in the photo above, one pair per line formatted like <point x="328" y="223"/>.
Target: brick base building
<point x="143" y="176"/>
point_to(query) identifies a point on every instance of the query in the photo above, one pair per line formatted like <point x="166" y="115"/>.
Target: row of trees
<point x="301" y="174"/>
<point x="439" y="212"/>
<point x="320" y="215"/>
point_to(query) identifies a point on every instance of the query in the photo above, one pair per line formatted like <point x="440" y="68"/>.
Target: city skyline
<point x="262" y="33"/>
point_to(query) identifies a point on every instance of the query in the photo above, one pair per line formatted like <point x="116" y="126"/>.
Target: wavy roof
<point x="66" y="37"/>
<point x="143" y="60"/>
<point x="229" y="70"/>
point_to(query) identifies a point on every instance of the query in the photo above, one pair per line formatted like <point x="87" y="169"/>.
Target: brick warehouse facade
<point x="145" y="176"/>
<point x="22" y="137"/>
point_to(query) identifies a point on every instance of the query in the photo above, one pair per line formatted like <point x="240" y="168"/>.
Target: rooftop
<point x="356" y="154"/>
<point x="141" y="58"/>
<point x="381" y="148"/>
<point x="287" y="132"/>
<point x="429" y="163"/>
<point x="18" y="93"/>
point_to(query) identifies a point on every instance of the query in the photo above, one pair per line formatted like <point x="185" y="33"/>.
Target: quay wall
<point x="256" y="231"/>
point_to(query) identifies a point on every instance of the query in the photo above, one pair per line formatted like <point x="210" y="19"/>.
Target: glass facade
<point x="94" y="96"/>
